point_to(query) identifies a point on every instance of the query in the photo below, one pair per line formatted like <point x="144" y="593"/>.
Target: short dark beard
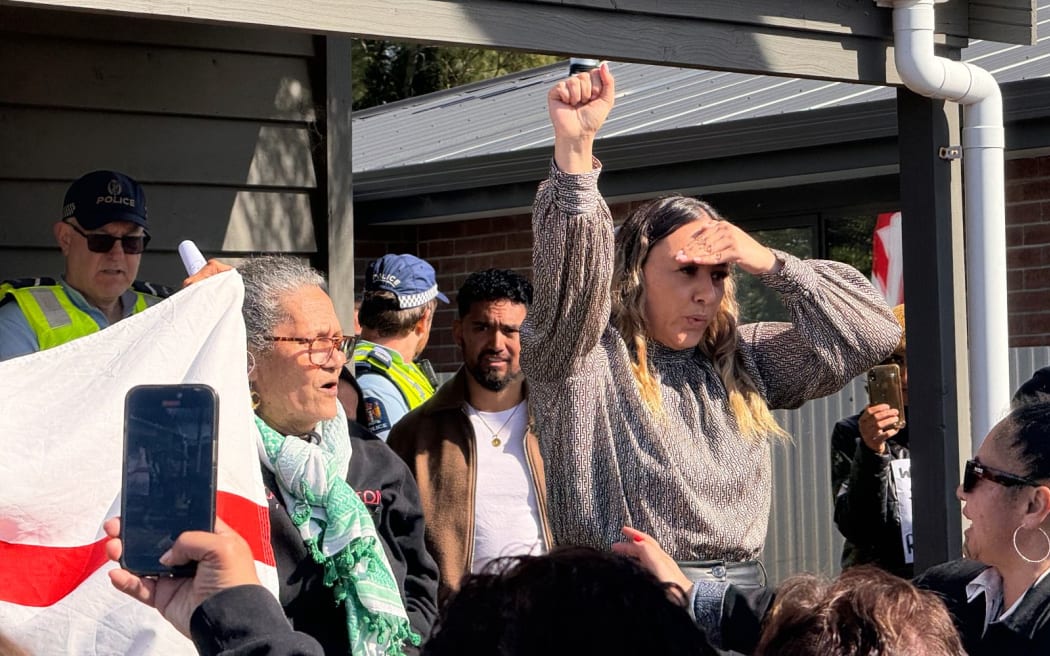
<point x="490" y="381"/>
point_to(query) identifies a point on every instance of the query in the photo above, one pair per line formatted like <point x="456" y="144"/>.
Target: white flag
<point x="61" y="434"/>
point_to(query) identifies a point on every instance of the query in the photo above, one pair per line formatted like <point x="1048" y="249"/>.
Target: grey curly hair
<point x="266" y="281"/>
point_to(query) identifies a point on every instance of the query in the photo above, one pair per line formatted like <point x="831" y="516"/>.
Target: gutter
<point x="983" y="141"/>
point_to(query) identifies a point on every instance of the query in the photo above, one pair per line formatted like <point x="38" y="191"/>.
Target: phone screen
<point x="169" y="471"/>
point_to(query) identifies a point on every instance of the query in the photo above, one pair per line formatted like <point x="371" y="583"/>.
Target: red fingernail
<point x="639" y="538"/>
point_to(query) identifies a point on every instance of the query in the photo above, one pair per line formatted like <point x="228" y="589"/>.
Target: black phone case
<point x="189" y="569"/>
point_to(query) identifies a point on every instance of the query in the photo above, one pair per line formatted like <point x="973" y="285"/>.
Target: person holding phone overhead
<point x="653" y="406"/>
<point x="864" y="448"/>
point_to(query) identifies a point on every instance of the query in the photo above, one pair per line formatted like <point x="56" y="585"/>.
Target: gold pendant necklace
<point x="496" y="441"/>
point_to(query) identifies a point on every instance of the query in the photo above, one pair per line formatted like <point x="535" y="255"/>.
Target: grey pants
<point x="749" y="574"/>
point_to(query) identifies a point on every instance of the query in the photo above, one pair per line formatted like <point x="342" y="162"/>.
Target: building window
<point x="847" y="238"/>
<point x="843" y="237"/>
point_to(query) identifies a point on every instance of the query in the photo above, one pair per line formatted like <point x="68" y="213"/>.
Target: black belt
<point x="745" y="573"/>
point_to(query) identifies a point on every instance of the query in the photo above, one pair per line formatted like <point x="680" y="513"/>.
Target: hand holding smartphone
<point x="169" y="472"/>
<point x="884" y="386"/>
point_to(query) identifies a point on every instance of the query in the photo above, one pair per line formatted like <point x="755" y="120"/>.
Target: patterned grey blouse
<point x="689" y="480"/>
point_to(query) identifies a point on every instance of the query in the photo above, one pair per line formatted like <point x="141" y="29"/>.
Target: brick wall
<point x="457" y="249"/>
<point x="1028" y="250"/>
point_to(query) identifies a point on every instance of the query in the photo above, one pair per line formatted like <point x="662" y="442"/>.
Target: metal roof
<point x="506" y="114"/>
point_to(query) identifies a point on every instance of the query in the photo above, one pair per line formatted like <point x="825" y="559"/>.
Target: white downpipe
<point x="984" y="196"/>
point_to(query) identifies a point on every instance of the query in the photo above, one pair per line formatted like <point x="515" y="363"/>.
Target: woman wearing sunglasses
<point x="346" y="523"/>
<point x="999" y="594"/>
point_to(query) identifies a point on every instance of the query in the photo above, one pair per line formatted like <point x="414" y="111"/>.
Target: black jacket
<point x="866" y="509"/>
<point x="387" y="488"/>
<point x="1026" y="632"/>
<point x="247" y="620"/>
<point x="732" y="618"/>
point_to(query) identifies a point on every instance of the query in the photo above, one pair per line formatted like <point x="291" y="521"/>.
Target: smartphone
<point x="884" y="386"/>
<point x="169" y="472"/>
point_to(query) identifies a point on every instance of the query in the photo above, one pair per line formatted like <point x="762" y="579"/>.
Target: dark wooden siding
<point x="1009" y="21"/>
<point x="218" y="123"/>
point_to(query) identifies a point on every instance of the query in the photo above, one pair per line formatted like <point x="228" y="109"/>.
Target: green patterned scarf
<point x="338" y="530"/>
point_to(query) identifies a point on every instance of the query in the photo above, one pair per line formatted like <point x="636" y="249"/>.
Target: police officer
<point x="396" y="313"/>
<point x="102" y="235"/>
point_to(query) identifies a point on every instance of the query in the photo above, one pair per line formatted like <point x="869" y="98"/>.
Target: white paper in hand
<point x="191" y="256"/>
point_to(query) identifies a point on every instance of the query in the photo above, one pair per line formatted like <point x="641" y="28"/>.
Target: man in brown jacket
<point x="469" y="446"/>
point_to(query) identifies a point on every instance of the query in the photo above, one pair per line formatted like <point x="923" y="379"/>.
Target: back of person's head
<point x="1034" y="390"/>
<point x="381" y="316"/>
<point x="572" y="601"/>
<point x="1027" y="439"/>
<point x="493" y="285"/>
<point x="400" y="289"/>
<point x="864" y="612"/>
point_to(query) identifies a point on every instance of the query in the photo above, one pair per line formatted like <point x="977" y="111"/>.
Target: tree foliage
<point x="385" y="71"/>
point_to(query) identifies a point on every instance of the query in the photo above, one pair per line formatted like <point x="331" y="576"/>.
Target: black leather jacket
<point x="866" y="509"/>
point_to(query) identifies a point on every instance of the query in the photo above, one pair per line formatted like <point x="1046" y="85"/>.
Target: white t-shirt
<point x="506" y="511"/>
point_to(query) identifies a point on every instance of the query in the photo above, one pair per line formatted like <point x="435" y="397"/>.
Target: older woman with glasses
<point x="346" y="524"/>
<point x="999" y="594"/>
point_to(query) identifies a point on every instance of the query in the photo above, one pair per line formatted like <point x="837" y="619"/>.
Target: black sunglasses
<point x="976" y="471"/>
<point x="103" y="243"/>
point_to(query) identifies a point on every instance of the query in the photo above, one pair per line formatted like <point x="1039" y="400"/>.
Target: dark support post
<point x="934" y="284"/>
<point x="335" y="233"/>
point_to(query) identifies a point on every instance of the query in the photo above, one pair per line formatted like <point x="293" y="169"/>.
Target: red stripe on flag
<point x="250" y="520"/>
<point x="880" y="261"/>
<point x="32" y="575"/>
<point x="37" y="575"/>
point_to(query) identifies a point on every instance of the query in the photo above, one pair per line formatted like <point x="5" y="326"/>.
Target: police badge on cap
<point x="407" y="277"/>
<point x="102" y="197"/>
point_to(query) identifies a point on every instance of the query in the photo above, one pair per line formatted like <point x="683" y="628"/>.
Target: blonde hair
<point x="649" y="224"/>
<point x="902" y="346"/>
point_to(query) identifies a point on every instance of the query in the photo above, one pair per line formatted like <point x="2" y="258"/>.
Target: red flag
<point x="887" y="263"/>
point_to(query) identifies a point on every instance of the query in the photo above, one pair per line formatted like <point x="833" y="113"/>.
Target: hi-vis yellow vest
<point x="408" y="378"/>
<point x="52" y="315"/>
